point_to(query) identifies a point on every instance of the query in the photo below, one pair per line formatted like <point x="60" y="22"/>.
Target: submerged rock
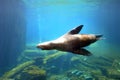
<point x="88" y="77"/>
<point x="25" y="71"/>
<point x="32" y="73"/>
<point x="59" y="77"/>
<point x="12" y="73"/>
<point x="112" y="73"/>
<point x="74" y="73"/>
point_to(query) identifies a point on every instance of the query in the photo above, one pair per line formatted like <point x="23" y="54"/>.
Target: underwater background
<point x="25" y="23"/>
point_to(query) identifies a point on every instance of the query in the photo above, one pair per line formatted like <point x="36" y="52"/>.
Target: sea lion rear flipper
<point x="82" y="52"/>
<point x="76" y="30"/>
<point x="98" y="36"/>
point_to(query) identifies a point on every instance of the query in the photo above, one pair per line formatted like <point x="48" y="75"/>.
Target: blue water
<point x="49" y="19"/>
<point x="56" y="18"/>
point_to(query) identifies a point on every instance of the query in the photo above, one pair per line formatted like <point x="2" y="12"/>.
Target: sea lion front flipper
<point x="82" y="52"/>
<point x="76" y="30"/>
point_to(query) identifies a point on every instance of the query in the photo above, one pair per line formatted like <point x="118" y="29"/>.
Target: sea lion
<point x="71" y="42"/>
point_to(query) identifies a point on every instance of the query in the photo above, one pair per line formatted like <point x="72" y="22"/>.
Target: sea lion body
<point x="70" y="42"/>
